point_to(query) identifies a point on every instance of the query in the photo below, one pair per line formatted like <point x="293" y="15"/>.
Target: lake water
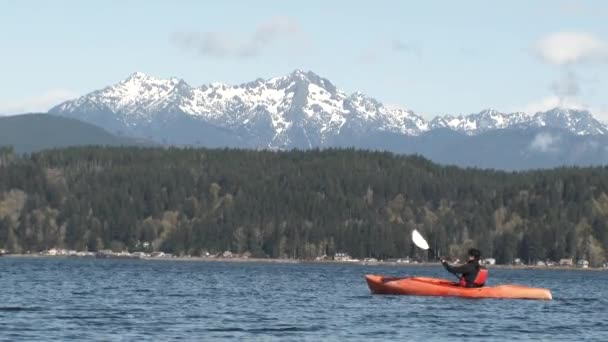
<point x="94" y="299"/>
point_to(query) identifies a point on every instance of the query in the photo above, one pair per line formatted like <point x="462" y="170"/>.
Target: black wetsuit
<point x="468" y="271"/>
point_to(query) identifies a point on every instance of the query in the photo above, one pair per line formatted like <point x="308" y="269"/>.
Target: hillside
<point x="296" y="204"/>
<point x="34" y="132"/>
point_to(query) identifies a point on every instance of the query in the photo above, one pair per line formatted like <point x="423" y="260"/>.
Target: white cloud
<point x="226" y="45"/>
<point x="601" y="113"/>
<point x="545" y="142"/>
<point x="38" y="103"/>
<point x="566" y="48"/>
<point x="567" y="86"/>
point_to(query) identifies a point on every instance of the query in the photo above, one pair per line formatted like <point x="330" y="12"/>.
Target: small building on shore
<point x="489" y="261"/>
<point x="566" y="262"/>
<point x="582" y="263"/>
<point x="140" y="255"/>
<point x="344" y="257"/>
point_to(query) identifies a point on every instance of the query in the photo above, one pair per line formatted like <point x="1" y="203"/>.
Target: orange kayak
<point x="422" y="286"/>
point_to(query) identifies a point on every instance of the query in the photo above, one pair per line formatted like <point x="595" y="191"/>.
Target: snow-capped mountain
<point x="299" y="110"/>
<point x="579" y="122"/>
<point x="483" y="121"/>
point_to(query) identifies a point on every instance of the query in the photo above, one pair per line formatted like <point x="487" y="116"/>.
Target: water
<point x="78" y="299"/>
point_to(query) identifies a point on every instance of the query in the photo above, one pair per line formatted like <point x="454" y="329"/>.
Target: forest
<point x="295" y="204"/>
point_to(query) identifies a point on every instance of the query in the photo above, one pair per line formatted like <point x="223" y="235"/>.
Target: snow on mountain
<point x="138" y="97"/>
<point x="579" y="122"/>
<point x="374" y="115"/>
<point x="301" y="101"/>
<point x="483" y="121"/>
<point x="301" y="109"/>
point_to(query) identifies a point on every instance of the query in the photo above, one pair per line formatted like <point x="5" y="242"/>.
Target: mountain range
<point x="299" y="110"/>
<point x="304" y="110"/>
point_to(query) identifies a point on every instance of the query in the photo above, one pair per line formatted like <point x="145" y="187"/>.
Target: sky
<point x="433" y="57"/>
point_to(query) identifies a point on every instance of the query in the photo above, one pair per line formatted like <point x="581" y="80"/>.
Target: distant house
<point x="62" y="252"/>
<point x="489" y="261"/>
<point x="341" y="257"/>
<point x="344" y="257"/>
<point x="582" y="263"/>
<point x="541" y="263"/>
<point x="517" y="262"/>
<point x="140" y="255"/>
<point x="566" y="262"/>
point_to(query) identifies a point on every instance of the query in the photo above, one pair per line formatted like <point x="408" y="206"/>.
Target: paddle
<point x="421" y="243"/>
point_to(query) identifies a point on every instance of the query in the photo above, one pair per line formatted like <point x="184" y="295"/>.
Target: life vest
<point x="480" y="278"/>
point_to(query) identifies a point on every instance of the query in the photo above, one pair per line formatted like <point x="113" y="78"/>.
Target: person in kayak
<point x="471" y="274"/>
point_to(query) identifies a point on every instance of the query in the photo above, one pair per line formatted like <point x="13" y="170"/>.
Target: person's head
<point x="474" y="254"/>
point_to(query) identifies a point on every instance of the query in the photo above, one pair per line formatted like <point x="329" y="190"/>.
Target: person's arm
<point x="457" y="269"/>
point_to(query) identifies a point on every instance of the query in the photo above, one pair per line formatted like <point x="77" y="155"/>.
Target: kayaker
<point x="471" y="274"/>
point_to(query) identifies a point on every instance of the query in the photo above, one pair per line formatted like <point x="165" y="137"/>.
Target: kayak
<point x="423" y="286"/>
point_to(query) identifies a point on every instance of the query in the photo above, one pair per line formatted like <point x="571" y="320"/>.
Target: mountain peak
<point x="578" y="121"/>
<point x="299" y="73"/>
<point x="489" y="111"/>
<point x="568" y="111"/>
<point x="309" y="76"/>
<point x="138" y="75"/>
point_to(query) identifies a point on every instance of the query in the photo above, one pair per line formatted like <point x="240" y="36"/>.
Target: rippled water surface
<point x="93" y="299"/>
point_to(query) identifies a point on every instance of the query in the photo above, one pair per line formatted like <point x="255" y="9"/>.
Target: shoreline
<point x="299" y="261"/>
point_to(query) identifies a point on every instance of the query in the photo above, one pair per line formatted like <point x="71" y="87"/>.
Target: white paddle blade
<point x="419" y="240"/>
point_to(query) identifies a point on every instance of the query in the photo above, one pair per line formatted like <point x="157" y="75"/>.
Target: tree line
<point x="295" y="204"/>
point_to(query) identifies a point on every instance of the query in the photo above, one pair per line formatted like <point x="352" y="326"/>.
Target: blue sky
<point x="434" y="57"/>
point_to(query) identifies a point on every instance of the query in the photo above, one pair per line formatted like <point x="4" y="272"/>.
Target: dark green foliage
<point x="296" y="204"/>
